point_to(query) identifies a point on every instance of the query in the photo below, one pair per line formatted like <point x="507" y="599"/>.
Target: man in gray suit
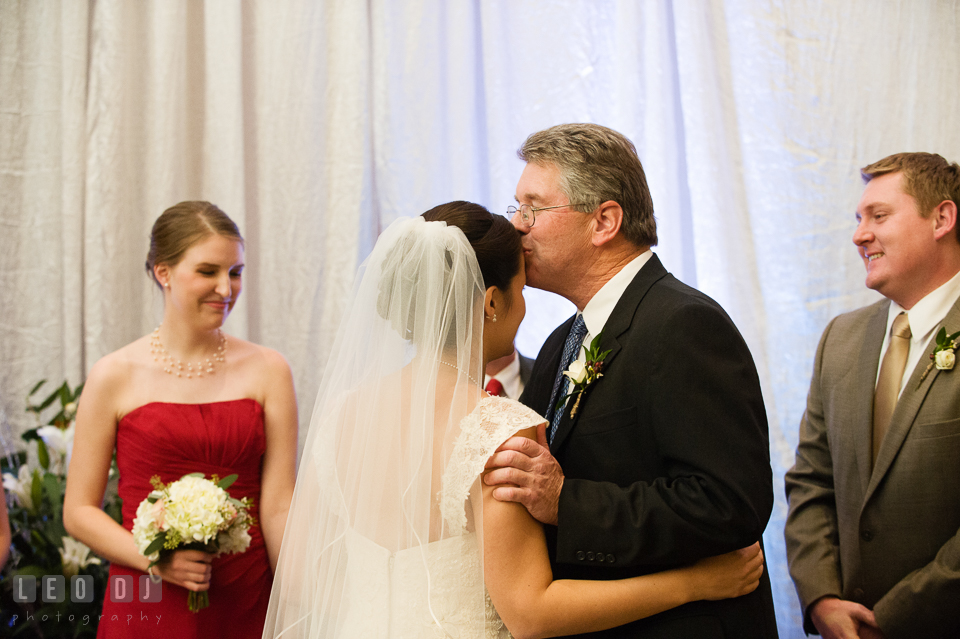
<point x="872" y="531"/>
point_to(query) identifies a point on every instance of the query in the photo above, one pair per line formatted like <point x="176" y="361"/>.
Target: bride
<point x="390" y="532"/>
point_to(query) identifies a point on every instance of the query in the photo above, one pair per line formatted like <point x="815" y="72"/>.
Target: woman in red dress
<point x="186" y="398"/>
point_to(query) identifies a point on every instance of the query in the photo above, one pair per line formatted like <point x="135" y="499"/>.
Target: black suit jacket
<point x="667" y="460"/>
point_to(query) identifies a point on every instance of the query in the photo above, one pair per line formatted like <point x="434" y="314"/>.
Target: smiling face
<point x="554" y="248"/>
<point x="205" y="284"/>
<point x="896" y="244"/>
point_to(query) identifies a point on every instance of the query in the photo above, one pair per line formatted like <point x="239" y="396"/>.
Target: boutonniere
<point x="943" y="355"/>
<point x="584" y="373"/>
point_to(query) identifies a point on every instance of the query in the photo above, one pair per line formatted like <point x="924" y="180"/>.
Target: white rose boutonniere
<point x="577" y="372"/>
<point x="584" y="373"/>
<point x="944" y="353"/>
<point x="945" y="360"/>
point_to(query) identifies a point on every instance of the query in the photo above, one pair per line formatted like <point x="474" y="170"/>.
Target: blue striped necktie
<point x="571" y="348"/>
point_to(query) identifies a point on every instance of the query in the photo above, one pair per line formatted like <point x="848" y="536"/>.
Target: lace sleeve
<point x="492" y="422"/>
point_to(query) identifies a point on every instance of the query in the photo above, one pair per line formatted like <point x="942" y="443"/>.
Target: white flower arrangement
<point x="192" y="513"/>
<point x="35" y="478"/>
<point x="59" y="442"/>
<point x="20" y="486"/>
<point x="75" y="556"/>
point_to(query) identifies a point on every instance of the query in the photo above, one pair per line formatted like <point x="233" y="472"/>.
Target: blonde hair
<point x="927" y="177"/>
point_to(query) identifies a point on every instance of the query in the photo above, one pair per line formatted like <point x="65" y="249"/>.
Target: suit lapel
<point x="905" y="414"/>
<point x="867" y="369"/>
<point x="617" y="324"/>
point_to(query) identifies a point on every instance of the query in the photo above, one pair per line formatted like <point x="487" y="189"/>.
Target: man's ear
<point x="607" y="220"/>
<point x="944" y="219"/>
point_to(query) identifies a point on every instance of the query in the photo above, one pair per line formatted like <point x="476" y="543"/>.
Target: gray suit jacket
<point x="885" y="537"/>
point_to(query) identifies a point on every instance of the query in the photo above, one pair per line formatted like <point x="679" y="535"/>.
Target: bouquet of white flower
<point x="192" y="513"/>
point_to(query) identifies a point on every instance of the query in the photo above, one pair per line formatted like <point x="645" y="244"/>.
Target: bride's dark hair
<point x="493" y="238"/>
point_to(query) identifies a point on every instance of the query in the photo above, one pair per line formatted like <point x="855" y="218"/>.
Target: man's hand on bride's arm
<point x="524" y="471"/>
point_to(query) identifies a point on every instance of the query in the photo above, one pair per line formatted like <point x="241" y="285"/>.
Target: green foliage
<point x="945" y="342"/>
<point x="227" y="481"/>
<point x="37" y="530"/>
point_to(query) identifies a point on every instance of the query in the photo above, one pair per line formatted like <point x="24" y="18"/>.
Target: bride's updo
<point x="493" y="238"/>
<point x="409" y="269"/>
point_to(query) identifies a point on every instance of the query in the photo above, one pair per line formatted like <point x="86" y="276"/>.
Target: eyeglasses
<point x="528" y="214"/>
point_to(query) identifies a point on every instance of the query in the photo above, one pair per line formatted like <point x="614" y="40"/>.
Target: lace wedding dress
<point x="414" y="604"/>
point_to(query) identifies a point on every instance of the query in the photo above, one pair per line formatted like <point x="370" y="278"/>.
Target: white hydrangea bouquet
<point x="192" y="513"/>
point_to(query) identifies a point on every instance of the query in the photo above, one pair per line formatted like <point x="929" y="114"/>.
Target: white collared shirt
<point x="925" y="319"/>
<point x="510" y="378"/>
<point x="601" y="305"/>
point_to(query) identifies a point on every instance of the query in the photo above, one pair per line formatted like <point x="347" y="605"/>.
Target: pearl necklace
<point x="460" y="371"/>
<point x="174" y="366"/>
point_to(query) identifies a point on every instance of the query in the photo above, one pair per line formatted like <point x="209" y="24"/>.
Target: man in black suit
<point x="665" y="458"/>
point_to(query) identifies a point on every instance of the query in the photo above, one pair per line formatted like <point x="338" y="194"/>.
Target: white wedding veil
<point x="402" y="374"/>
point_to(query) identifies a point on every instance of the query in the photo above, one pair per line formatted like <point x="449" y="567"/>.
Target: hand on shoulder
<point x="525" y="472"/>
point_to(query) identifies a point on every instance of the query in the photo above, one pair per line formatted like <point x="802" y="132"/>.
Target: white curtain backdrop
<point x="315" y="123"/>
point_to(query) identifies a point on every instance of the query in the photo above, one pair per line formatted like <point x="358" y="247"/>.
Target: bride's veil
<point x="402" y="374"/>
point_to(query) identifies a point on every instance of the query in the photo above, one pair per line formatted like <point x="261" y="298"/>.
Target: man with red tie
<point x="508" y="375"/>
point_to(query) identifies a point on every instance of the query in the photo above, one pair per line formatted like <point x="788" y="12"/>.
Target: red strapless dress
<point x="171" y="440"/>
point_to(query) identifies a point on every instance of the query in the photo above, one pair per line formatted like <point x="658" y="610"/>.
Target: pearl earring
<point x="166" y="284"/>
<point x="494" y="318"/>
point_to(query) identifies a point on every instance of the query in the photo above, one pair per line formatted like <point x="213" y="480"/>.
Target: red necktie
<point x="494" y="387"/>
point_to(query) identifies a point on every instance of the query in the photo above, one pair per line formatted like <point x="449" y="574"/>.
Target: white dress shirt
<point x="925" y="319"/>
<point x="601" y="305"/>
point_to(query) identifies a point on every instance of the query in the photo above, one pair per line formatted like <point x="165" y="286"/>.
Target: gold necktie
<point x="891" y="375"/>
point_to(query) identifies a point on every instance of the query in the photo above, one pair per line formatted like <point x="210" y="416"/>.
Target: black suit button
<point x="858" y="594"/>
<point x="580" y="555"/>
<point x="600" y="556"/>
<point x="866" y="535"/>
<point x="610" y="559"/>
<point x="590" y="556"/>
